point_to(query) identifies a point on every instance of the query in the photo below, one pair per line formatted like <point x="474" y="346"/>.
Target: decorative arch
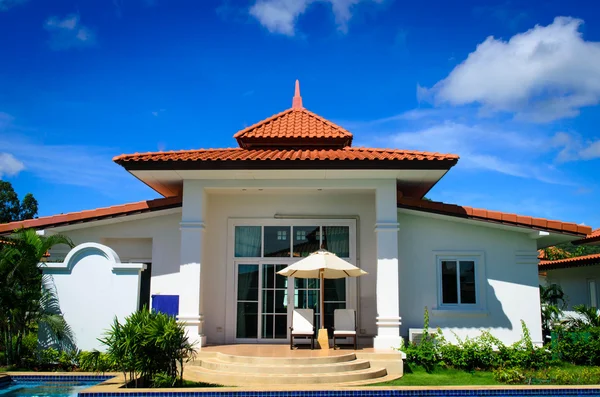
<point x="85" y="249"/>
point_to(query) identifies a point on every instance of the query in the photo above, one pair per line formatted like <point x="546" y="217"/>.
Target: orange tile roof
<point x="294" y="127"/>
<point x="585" y="260"/>
<point x="294" y="156"/>
<point x="493" y="216"/>
<point x="93" y="215"/>
<point x="591" y="238"/>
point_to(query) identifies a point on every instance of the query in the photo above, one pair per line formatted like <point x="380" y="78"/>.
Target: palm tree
<point x="27" y="298"/>
<point x="553" y="301"/>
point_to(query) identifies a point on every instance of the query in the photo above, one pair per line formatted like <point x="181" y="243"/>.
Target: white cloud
<point x="482" y="147"/>
<point x="573" y="147"/>
<point x="61" y="164"/>
<point x="69" y="33"/>
<point x="6" y="4"/>
<point x="9" y="165"/>
<point x="547" y="73"/>
<point x="280" y="16"/>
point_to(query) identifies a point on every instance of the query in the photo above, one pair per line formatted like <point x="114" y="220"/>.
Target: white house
<point x="230" y="218"/>
<point x="579" y="277"/>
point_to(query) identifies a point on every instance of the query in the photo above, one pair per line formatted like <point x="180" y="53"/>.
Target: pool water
<point x="42" y="389"/>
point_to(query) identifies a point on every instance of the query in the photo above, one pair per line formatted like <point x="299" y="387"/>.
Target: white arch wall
<point x="93" y="287"/>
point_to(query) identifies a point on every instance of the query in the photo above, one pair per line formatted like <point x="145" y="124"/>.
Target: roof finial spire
<point x="297" y="101"/>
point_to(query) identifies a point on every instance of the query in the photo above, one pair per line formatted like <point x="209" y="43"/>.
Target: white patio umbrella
<point x="322" y="264"/>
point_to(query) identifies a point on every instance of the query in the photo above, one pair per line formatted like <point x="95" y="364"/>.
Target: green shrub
<point x="580" y="348"/>
<point x="48" y="358"/>
<point x="426" y="353"/>
<point x="95" y="361"/>
<point x="146" y="344"/>
<point x="510" y="375"/>
<point x="483" y="352"/>
<point x="471" y="353"/>
<point x="164" y="380"/>
<point x="565" y="376"/>
<point x="523" y="353"/>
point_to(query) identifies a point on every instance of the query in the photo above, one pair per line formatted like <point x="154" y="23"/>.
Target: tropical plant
<point x="27" y="298"/>
<point x="586" y="317"/>
<point x="148" y="348"/>
<point x="553" y="302"/>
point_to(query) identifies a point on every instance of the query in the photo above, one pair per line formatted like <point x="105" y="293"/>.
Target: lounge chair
<point x="344" y="325"/>
<point x="303" y="325"/>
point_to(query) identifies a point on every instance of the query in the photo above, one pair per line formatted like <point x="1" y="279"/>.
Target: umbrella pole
<point x="322" y="337"/>
<point x="322" y="298"/>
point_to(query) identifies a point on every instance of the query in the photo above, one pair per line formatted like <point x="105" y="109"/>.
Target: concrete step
<point x="314" y="360"/>
<point x="260" y="367"/>
<point x="202" y="374"/>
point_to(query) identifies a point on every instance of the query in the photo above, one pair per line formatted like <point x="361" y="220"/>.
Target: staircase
<point x="232" y="370"/>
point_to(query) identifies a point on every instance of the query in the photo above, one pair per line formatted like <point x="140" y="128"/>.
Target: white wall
<point x="510" y="292"/>
<point x="574" y="283"/>
<point x="93" y="287"/>
<point x="155" y="238"/>
<point x="223" y="206"/>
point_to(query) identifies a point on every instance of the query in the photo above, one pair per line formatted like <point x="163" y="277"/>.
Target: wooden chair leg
<point x="354" y="341"/>
<point x="291" y="342"/>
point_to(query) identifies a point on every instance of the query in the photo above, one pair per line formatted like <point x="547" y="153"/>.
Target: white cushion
<point x="344" y="332"/>
<point x="302" y="321"/>
<point x="294" y="332"/>
<point x="344" y="320"/>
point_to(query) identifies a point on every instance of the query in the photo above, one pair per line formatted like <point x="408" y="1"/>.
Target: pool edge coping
<point x="114" y="382"/>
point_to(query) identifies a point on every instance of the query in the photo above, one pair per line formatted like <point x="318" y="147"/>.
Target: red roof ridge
<point x="94" y="214"/>
<point x="493" y="216"/>
<point x="593" y="237"/>
<point x="285" y="154"/>
<point x="575" y="259"/>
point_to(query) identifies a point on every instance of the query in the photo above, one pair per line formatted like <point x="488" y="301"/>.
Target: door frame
<point x="232" y="261"/>
<point x="290" y="299"/>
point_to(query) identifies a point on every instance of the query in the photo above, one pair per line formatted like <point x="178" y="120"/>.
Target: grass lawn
<point x="443" y="377"/>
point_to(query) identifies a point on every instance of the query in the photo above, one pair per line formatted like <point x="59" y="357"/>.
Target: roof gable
<point x="294" y="127"/>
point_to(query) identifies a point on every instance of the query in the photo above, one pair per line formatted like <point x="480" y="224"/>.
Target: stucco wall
<point x="93" y="288"/>
<point x="511" y="289"/>
<point x="156" y="239"/>
<point x="574" y="282"/>
<point x="221" y="207"/>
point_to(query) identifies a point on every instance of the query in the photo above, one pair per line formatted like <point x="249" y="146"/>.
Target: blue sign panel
<point x="168" y="304"/>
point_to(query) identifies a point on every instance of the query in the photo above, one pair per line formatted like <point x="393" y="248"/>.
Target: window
<point x="458" y="281"/>
<point x="255" y="241"/>
<point x="592" y="291"/>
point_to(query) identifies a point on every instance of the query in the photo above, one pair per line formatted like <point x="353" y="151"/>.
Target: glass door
<point x="274" y="313"/>
<point x="263" y="301"/>
<point x="247" y="301"/>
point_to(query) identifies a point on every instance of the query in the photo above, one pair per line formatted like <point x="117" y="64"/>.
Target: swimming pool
<point x="48" y="386"/>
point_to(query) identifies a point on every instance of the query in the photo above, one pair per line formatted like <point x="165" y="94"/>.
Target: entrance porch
<point x="262" y="364"/>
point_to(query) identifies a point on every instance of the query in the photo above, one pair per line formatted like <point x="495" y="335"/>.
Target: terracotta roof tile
<point x="493" y="216"/>
<point x="585" y="260"/>
<point x="295" y="155"/>
<point x="294" y="127"/>
<point x="93" y="215"/>
<point x="591" y="238"/>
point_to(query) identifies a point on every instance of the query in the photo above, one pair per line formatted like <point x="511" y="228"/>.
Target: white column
<point x="386" y="229"/>
<point x="192" y="230"/>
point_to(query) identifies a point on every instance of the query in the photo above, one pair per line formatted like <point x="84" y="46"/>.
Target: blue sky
<point x="513" y="87"/>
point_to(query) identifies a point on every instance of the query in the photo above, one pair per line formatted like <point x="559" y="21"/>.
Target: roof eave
<point x="443" y="164"/>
